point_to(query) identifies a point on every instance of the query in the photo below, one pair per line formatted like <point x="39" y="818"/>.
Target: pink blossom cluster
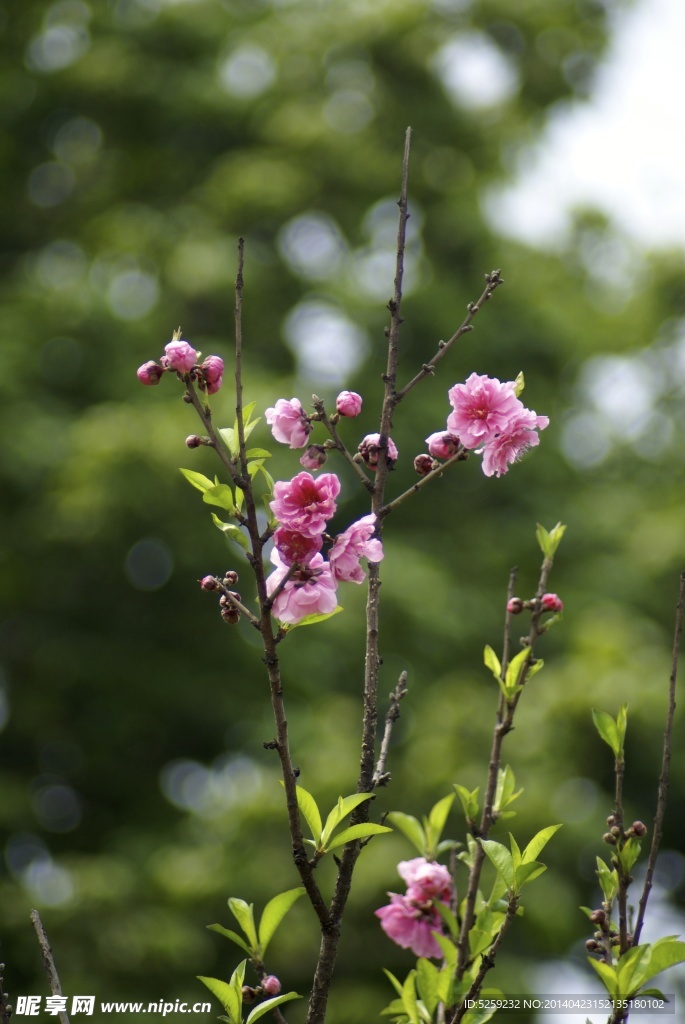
<point x="487" y="415"/>
<point x="306" y="582"/>
<point x="182" y="358"/>
<point x="411" y="920"/>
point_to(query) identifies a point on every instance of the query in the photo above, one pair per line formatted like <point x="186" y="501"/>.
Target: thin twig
<point x="48" y="962"/>
<point x="5" y="1006"/>
<point x="623" y="875"/>
<point x="665" y="766"/>
<point x="493" y="280"/>
<point x="487" y="961"/>
<point x="380" y="776"/>
<point x="339" y="444"/>
<point x="460" y="456"/>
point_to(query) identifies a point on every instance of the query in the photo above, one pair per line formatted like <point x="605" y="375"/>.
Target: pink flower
<point x="180" y="356"/>
<point x="411" y="926"/>
<point x="212" y="371"/>
<point x="314" y="457"/>
<point x="426" y="880"/>
<point x="510" y="444"/>
<point x="150" y="373"/>
<point x="304" y="504"/>
<point x="483" y="407"/>
<point x="288" y="422"/>
<point x="271" y="985"/>
<point x="309" y="591"/>
<point x="295" y="547"/>
<point x="354" y="543"/>
<point x="442" y="445"/>
<point x="348" y="403"/>
<point x="552" y="603"/>
<point x="370" y="447"/>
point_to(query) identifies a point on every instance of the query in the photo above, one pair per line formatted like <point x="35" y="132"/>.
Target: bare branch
<point x="380" y="776"/>
<point x="48" y="962"/>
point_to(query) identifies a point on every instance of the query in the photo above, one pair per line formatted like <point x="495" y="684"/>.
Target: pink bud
<point x="150" y="372"/>
<point x="180" y="356"/>
<point x="271" y="985"/>
<point x="552" y="603"/>
<point x="314" y="457"/>
<point x="443" y="444"/>
<point x="212" y="368"/>
<point x="208" y="583"/>
<point x="214" y="386"/>
<point x="193" y="441"/>
<point x="348" y="403"/>
<point x="515" y="606"/>
<point x="423" y="464"/>
<point x="370" y="447"/>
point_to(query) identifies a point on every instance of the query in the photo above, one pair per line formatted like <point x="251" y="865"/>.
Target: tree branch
<point x="48" y="962"/>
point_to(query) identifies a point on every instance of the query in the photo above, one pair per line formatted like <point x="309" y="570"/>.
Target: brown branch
<point x="665" y="766"/>
<point x="487" y="961"/>
<point x="493" y="280"/>
<point x="459" y="456"/>
<point x="623" y="875"/>
<point x="380" y="776"/>
<point x="48" y="962"/>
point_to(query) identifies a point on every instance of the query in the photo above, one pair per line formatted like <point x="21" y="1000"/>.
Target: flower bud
<point x="552" y="603"/>
<point x="592" y="946"/>
<point x="314" y="457"/>
<point x="443" y="444"/>
<point x="639" y="828"/>
<point x="193" y="441"/>
<point x="598" y="917"/>
<point x="150" y="373"/>
<point x="209" y="583"/>
<point x="212" y="369"/>
<point x="249" y="994"/>
<point x="230" y="577"/>
<point x="370" y="447"/>
<point x="226" y="602"/>
<point x="348" y="403"/>
<point x="230" y="615"/>
<point x="423" y="464"/>
<point x="514" y="605"/>
<point x="271" y="985"/>
<point x="609" y="838"/>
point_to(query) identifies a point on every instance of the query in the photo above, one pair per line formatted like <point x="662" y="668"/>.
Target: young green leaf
<point x="397" y="985"/>
<point x="607" y="729"/>
<point x="258" y="453"/>
<point x="539" y="842"/>
<point x="492" y="662"/>
<point x="622" y="724"/>
<point x="469" y="802"/>
<point x="608" y="880"/>
<point x="233" y="936"/>
<point x="427" y="978"/>
<point x="344" y="806"/>
<point x="244" y="914"/>
<point x="501" y="859"/>
<point x="517" y="671"/>
<point x="310" y="620"/>
<point x="229" y="994"/>
<point x="230" y="437"/>
<point x="198" y="480"/>
<point x="231" y="532"/>
<point x="608" y="977"/>
<point x="437" y="818"/>
<point x="525" y="873"/>
<point x="310" y="811"/>
<point x="629" y="854"/>
<point x="550" y="540"/>
<point x="448" y="918"/>
<point x="505" y="792"/>
<point x="356" y="832"/>
<point x="270" y="1004"/>
<point x="409" y="827"/>
<point x="221" y="495"/>
<point x="519" y="383"/>
<point x="409" y="998"/>
<point x="273" y="914"/>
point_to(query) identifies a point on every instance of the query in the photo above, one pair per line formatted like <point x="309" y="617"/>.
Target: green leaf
<point x="393" y="981"/>
<point x="519" y="383"/>
<point x="622" y="724"/>
<point x="449" y="950"/>
<point x="447" y="915"/>
<point x="273" y="914"/>
<point x="525" y="873"/>
<point x="606" y="727"/>
<point x="504" y="793"/>
<point x="514" y="670"/>
<point x="492" y="662"/>
<point x="356" y="832"/>
<point x="198" y="480"/>
<point x="661" y="955"/>
<point x="244" y="914"/>
<point x="344" y="806"/>
<point x="539" y="842"/>
<point x="438" y="815"/>
<point x="231" y="531"/>
<point x="608" y="880"/>
<point x="233" y="936"/>
<point x="409" y="998"/>
<point x="310" y="811"/>
<point x="221" y="495"/>
<point x="270" y="1004"/>
<point x="410" y="828"/>
<point x="230" y="437"/>
<point x="229" y="994"/>
<point x="550" y="540"/>
<point x="608" y="977"/>
<point x="629" y="854"/>
<point x="258" y="453"/>
<point x="310" y="620"/>
<point x="469" y="802"/>
<point x="427" y="977"/>
<point x="501" y="859"/>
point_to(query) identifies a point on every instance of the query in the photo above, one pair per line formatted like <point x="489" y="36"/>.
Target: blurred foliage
<point x="139" y="138"/>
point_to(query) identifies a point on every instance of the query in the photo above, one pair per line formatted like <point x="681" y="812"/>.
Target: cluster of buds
<point x="227" y="602"/>
<point x="605" y="937"/>
<point x="617" y="836"/>
<point x="548" y="603"/>
<point x="181" y="358"/>
<point x="269" y="986"/>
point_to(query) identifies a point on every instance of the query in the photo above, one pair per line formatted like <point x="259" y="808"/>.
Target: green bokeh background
<point x="139" y="138"/>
